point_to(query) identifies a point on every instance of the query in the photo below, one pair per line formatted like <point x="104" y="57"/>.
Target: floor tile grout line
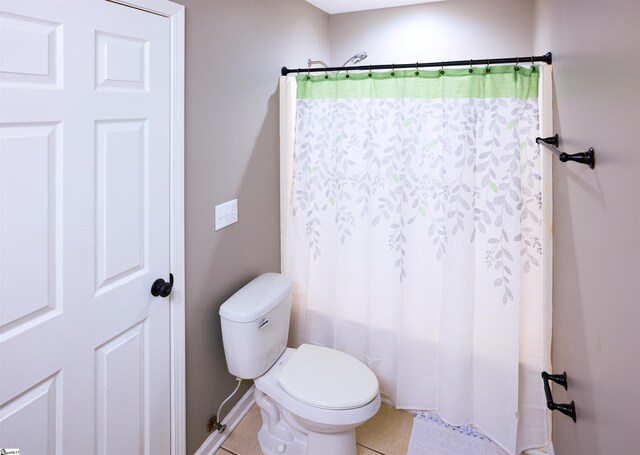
<point x="369" y="448"/>
<point x="227" y="450"/>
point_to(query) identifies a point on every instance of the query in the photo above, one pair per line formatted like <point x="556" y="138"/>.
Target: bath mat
<point x="428" y="437"/>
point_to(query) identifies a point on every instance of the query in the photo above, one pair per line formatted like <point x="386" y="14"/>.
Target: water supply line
<point x="218" y="424"/>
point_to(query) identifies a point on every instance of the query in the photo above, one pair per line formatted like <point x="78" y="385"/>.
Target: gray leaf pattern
<point x="452" y="167"/>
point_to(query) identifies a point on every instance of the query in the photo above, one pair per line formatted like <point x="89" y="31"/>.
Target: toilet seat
<point x="270" y="385"/>
<point x="328" y="379"/>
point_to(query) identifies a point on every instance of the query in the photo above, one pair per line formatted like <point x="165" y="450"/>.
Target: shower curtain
<point x="413" y="229"/>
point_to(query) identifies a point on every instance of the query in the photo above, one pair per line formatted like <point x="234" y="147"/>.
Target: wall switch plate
<point x="226" y="214"/>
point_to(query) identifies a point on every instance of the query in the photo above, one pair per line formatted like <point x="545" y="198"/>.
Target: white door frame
<point x="176" y="14"/>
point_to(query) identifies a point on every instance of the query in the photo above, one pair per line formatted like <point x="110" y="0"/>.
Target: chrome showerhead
<point x="355" y="59"/>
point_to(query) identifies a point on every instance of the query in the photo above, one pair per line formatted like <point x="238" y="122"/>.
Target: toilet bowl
<point x="311" y="398"/>
<point x="321" y="418"/>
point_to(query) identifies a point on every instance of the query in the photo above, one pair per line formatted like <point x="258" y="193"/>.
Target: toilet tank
<point x="255" y="325"/>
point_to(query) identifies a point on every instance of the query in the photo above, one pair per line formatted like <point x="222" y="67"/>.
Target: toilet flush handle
<point x="263" y="323"/>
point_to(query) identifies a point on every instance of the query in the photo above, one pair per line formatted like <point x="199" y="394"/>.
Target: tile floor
<point x="386" y="434"/>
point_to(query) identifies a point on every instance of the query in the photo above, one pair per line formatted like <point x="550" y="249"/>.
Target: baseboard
<point x="540" y="451"/>
<point x="215" y="440"/>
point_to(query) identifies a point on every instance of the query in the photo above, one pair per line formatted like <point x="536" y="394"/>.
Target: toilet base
<point x="343" y="443"/>
<point x="281" y="433"/>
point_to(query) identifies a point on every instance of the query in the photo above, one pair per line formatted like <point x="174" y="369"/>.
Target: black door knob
<point x="162" y="288"/>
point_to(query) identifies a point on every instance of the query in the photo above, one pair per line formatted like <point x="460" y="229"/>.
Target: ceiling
<point x="346" y="6"/>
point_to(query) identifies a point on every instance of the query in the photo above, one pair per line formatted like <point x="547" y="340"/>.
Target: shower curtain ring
<point x="471" y="65"/>
<point x="347" y="71"/>
<point x="326" y="75"/>
<point x="487" y="69"/>
<point x="517" y="68"/>
<point x="417" y="71"/>
<point x="370" y="75"/>
<point x="533" y="66"/>
<point x="442" y="68"/>
<point x="393" y="70"/>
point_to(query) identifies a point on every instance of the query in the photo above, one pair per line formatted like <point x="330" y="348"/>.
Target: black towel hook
<point x="568" y="409"/>
<point x="551" y="143"/>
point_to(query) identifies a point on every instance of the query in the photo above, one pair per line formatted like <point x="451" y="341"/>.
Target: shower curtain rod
<point x="546" y="58"/>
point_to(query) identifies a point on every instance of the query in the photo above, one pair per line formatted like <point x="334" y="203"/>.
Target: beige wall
<point x="234" y="52"/>
<point x="451" y="30"/>
<point x="596" y="49"/>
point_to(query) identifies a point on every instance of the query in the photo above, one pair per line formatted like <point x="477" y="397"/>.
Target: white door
<point x="84" y="228"/>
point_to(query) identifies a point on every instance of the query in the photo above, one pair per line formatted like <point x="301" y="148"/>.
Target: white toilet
<point x="311" y="398"/>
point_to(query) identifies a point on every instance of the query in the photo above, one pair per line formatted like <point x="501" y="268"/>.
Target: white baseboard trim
<point x="540" y="451"/>
<point x="215" y="440"/>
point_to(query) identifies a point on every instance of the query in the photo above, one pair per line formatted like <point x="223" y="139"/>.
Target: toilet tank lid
<point x="256" y="298"/>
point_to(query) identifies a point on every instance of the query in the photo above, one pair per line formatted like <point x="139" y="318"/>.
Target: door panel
<point x="126" y="352"/>
<point x="30" y="49"/>
<point x="37" y="407"/>
<point x="27" y="222"/>
<point x="84" y="228"/>
<point x="122" y="62"/>
<point x="121" y="196"/>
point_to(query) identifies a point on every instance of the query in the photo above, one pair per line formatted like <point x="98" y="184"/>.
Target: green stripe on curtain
<point x="500" y="82"/>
